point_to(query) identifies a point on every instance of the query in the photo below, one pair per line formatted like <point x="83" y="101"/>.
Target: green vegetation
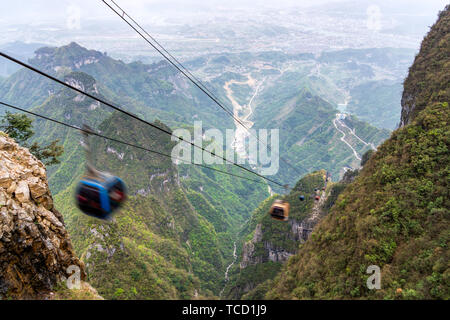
<point x="366" y="156"/>
<point x="85" y="292"/>
<point x="316" y="143"/>
<point x="137" y="256"/>
<point x="19" y="127"/>
<point x="377" y="102"/>
<point x="156" y="91"/>
<point x="172" y="240"/>
<point x="164" y="243"/>
<point x="396" y="213"/>
<point x="273" y="236"/>
<point x="159" y="246"/>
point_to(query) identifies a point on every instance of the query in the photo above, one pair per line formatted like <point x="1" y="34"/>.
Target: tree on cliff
<point x="19" y="127"/>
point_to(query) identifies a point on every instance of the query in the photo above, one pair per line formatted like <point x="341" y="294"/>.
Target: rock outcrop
<point x="428" y="80"/>
<point x="270" y="244"/>
<point x="300" y="230"/>
<point x="248" y="249"/>
<point x="72" y="56"/>
<point x="35" y="249"/>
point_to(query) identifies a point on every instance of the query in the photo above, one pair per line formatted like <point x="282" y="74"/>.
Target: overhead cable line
<point x="163" y="49"/>
<point x="129" y="114"/>
<point x="179" y="66"/>
<point x="126" y="143"/>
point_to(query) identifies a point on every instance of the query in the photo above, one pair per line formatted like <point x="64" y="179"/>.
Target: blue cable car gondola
<point x="302" y="197"/>
<point x="99" y="197"/>
<point x="98" y="194"/>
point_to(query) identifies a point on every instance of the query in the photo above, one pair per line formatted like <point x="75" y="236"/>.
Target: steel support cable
<point x="124" y="142"/>
<point x="197" y="84"/>
<point x="163" y="49"/>
<point x="180" y="66"/>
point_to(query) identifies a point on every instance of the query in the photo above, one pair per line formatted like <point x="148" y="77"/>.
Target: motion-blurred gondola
<point x="98" y="194"/>
<point x="280" y="210"/>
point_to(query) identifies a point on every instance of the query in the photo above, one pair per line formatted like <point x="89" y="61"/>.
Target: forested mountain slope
<point x="428" y="80"/>
<point x="396" y="213"/>
<point x="152" y="91"/>
<point x="185" y="226"/>
<point x="163" y="244"/>
<point x="311" y="133"/>
<point x="267" y="243"/>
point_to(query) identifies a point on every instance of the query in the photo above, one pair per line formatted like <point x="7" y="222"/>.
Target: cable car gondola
<point x="101" y="195"/>
<point x="279" y="210"/>
<point x="302" y="197"/>
<point x="98" y="194"/>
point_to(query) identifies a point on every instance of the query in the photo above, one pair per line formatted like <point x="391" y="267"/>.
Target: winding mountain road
<point x="246" y="109"/>
<point x="352" y="132"/>
<point x="344" y="135"/>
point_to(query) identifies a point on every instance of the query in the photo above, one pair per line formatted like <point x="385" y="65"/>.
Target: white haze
<point x="191" y="27"/>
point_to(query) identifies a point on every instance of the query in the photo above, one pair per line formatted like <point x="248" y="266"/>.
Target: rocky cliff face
<point x="428" y="80"/>
<point x="35" y="249"/>
<point x="299" y="231"/>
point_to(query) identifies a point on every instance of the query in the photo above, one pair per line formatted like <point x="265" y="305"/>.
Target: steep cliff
<point x="36" y="253"/>
<point x="428" y="80"/>
<point x="268" y="244"/>
<point x="395" y="215"/>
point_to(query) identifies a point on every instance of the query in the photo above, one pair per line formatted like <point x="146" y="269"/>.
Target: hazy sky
<point x="349" y="23"/>
<point x="35" y="11"/>
<point x="45" y="11"/>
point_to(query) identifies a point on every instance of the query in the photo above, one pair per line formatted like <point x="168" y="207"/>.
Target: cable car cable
<point x="126" y="143"/>
<point x="128" y="113"/>
<point x="197" y="82"/>
<point x="162" y="48"/>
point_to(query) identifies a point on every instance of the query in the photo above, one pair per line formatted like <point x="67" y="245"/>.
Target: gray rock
<point x="35" y="249"/>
